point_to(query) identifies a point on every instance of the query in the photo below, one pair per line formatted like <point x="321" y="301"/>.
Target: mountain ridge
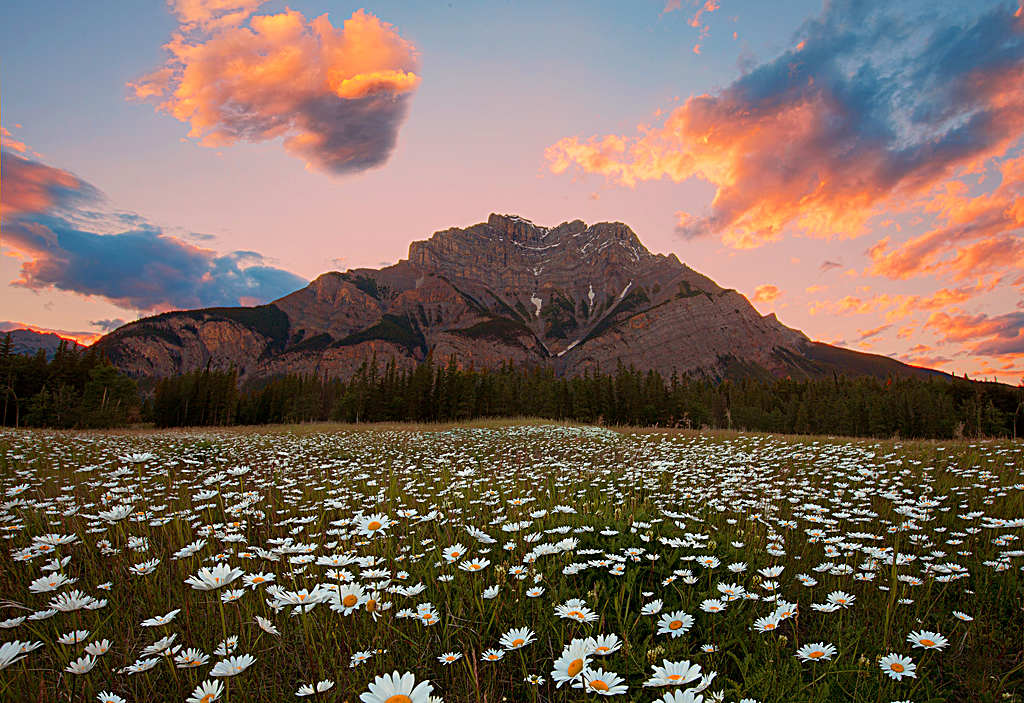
<point x="574" y="297"/>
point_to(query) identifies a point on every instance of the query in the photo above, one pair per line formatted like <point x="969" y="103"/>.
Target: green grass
<point x="673" y="494"/>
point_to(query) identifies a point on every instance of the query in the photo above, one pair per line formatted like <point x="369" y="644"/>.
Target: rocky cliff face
<point x="573" y="297"/>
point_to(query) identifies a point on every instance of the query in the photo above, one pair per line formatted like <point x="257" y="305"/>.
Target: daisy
<point x="191" y="658"/>
<point x="108" y="697"/>
<point x="233" y="666"/>
<point x="309" y="690"/>
<point x="927" y="640"/>
<point x="896" y="666"/>
<point x="358" y="658"/>
<point x="373" y="525"/>
<point x="962" y="616"/>
<point x="689" y="696"/>
<point x="675" y="624"/>
<point x="255" y="580"/>
<point x="603" y="645"/>
<point x="206" y="692"/>
<point x="767" y="623"/>
<point x="160" y="619"/>
<point x="347" y="598"/>
<point x="453" y="553"/>
<point x="492" y="655"/>
<point x="267" y="626"/>
<point x="601" y="682"/>
<point x="82" y="666"/>
<point x="579" y="613"/>
<point x="841" y="598"/>
<point x="517" y="638"/>
<point x="570" y="665"/>
<point x="819" y="651"/>
<point x="449" y="658"/>
<point x="652" y="608"/>
<point x="673" y="674"/>
<point x="73" y="637"/>
<point x="475" y="565"/>
<point x="395" y="688"/>
<point x="98" y="648"/>
<point x="208" y="579"/>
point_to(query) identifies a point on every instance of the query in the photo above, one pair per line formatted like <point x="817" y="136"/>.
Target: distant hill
<point x="25" y="341"/>
<point x="575" y="297"/>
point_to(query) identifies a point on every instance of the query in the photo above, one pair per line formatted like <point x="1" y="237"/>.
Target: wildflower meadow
<point x="517" y="562"/>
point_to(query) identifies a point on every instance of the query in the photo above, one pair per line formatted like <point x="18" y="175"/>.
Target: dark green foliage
<point x="500" y="328"/>
<point x="206" y="397"/>
<point x="836" y="405"/>
<point x="688" y="291"/>
<point x="268" y="320"/>
<point x="77" y="388"/>
<point x="391" y="328"/>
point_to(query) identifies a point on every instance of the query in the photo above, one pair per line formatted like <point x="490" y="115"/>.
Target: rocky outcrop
<point x="573" y="297"/>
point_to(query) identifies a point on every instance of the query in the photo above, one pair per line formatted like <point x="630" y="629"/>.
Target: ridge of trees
<point x="80" y="389"/>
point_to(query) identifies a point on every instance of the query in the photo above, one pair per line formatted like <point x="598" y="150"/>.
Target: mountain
<point x="26" y="341"/>
<point x="573" y="297"/>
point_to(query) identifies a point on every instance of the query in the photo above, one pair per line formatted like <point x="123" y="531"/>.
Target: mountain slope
<point x="573" y="297"/>
<point x="26" y="341"/>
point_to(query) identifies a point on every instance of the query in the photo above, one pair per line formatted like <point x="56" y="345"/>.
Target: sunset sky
<point x="856" y="168"/>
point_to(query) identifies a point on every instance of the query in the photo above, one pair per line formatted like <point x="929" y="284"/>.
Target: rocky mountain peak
<point x="572" y="297"/>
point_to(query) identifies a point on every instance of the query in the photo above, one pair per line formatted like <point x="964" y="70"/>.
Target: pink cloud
<point x="337" y="96"/>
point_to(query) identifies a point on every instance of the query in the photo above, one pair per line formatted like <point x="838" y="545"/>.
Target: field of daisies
<point x="515" y="563"/>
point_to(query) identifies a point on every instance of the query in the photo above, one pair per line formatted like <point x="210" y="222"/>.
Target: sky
<point x="854" y="167"/>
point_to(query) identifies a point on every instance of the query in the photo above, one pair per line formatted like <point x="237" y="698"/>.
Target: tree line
<point x="76" y="388"/>
<point x="430" y="392"/>
<point x="79" y="388"/>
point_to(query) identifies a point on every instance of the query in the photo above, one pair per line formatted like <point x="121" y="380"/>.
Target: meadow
<point x="508" y="562"/>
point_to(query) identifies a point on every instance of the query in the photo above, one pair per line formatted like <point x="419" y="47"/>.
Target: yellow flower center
<point x="575" y="667"/>
<point x="208" y="698"/>
<point x="897" y="667"/>
<point x="399" y="698"/>
<point x="674" y="677"/>
<point x="927" y="643"/>
<point x="371" y="605"/>
<point x="518" y="642"/>
<point x="374" y="525"/>
<point x="675" y="624"/>
<point x="769" y="626"/>
<point x="575" y="614"/>
<point x="601" y="649"/>
<point x="816" y="654"/>
<point x="349" y="600"/>
<point x="599" y="685"/>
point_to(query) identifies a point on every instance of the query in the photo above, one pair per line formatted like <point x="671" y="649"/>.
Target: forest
<point x="79" y="389"/>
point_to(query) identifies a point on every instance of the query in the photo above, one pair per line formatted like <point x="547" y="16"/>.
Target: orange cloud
<point x="33" y="187"/>
<point x="766" y="294"/>
<point x="213" y="13"/>
<point x="818" y="139"/>
<point x="974" y="235"/>
<point x="336" y="96"/>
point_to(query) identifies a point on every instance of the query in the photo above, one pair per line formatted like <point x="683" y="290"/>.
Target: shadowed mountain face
<point x="572" y="297"/>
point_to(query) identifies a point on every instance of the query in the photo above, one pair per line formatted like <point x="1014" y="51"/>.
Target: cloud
<point x="213" y="13"/>
<point x="989" y="335"/>
<point x="766" y="294"/>
<point x="108" y="325"/>
<point x="336" y="97"/>
<point x="47" y="217"/>
<point x="975" y="233"/>
<point x="874" y="332"/>
<point x="876" y="105"/>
